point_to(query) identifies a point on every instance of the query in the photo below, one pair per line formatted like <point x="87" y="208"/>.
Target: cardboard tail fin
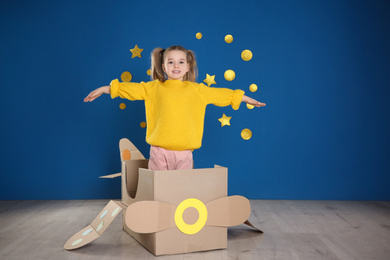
<point x="97" y="227"/>
<point x="129" y="151"/>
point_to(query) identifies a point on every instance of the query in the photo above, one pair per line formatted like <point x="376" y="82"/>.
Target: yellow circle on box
<point x="126" y="76"/>
<point x="228" y="38"/>
<point x="229" y="75"/>
<point x="122" y="106"/>
<point x="199" y="36"/>
<point x="198" y="225"/>
<point x="253" y="87"/>
<point x="246" y="134"/>
<point x="149" y="71"/>
<point x="142" y="124"/>
<point x="246" y="55"/>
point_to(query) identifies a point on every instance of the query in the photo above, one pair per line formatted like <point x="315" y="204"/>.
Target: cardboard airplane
<point x="169" y="212"/>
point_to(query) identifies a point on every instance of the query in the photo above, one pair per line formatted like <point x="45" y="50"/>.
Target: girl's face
<point x="175" y="64"/>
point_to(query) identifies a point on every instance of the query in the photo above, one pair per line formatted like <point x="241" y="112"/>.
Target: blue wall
<point x="322" y="67"/>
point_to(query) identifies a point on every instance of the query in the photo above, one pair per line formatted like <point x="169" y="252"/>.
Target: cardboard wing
<point x="111" y="176"/>
<point x="97" y="227"/>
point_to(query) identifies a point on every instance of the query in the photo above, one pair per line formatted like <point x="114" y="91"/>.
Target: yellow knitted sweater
<point x="175" y="109"/>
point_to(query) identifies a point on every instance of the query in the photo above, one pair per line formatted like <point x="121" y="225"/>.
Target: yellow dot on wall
<point x="246" y="55"/>
<point x="149" y="71"/>
<point x="253" y="88"/>
<point x="199" y="36"/>
<point x="228" y="38"/>
<point x="229" y="75"/>
<point x="126" y="76"/>
<point x="142" y="124"/>
<point x="249" y="106"/>
<point x="122" y="106"/>
<point x="246" y="134"/>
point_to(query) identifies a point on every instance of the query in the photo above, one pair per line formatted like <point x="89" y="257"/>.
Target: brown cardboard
<point x="170" y="212"/>
<point x="97" y="227"/>
<point x="130" y="182"/>
<point x="173" y="187"/>
<point x="111" y="176"/>
<point x="126" y="147"/>
<point x="150" y="216"/>
<point x="156" y="216"/>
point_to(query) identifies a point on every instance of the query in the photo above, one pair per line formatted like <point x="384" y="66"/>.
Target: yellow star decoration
<point x="225" y="120"/>
<point x="136" y="52"/>
<point x="210" y="80"/>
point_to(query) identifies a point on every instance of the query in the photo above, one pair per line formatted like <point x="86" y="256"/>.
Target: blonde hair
<point x="158" y="57"/>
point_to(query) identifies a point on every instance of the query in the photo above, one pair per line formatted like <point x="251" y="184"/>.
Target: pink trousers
<point x="162" y="159"/>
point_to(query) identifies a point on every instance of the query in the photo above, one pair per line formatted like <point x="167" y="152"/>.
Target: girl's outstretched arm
<point x="97" y="93"/>
<point x="253" y="102"/>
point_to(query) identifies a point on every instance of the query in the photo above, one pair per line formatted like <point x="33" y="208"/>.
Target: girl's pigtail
<point x="157" y="61"/>
<point x="192" y="73"/>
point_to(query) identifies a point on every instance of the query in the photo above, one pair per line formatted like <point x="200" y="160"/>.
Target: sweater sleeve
<point x="129" y="90"/>
<point x="222" y="96"/>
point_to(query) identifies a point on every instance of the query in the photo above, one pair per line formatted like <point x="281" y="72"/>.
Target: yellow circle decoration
<point x="196" y="227"/>
<point x="249" y="106"/>
<point x="246" y="134"/>
<point x="142" y="124"/>
<point x="122" y="106"/>
<point x="246" y="55"/>
<point x="149" y="71"/>
<point x="228" y="38"/>
<point x="229" y="75"/>
<point x="199" y="36"/>
<point x="253" y="88"/>
<point x="126" y="76"/>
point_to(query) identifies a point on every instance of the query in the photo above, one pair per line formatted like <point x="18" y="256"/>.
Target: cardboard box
<point x="169" y="212"/>
<point x="174" y="187"/>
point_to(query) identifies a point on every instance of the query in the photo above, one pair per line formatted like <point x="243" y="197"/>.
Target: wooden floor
<point x="293" y="230"/>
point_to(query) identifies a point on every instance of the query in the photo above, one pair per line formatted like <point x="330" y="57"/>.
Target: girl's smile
<point x="175" y="65"/>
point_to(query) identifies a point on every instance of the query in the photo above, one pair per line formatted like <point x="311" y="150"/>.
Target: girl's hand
<point x="253" y="102"/>
<point x="97" y="93"/>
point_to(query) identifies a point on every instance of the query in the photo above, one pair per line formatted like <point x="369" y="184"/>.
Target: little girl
<point x="175" y="106"/>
